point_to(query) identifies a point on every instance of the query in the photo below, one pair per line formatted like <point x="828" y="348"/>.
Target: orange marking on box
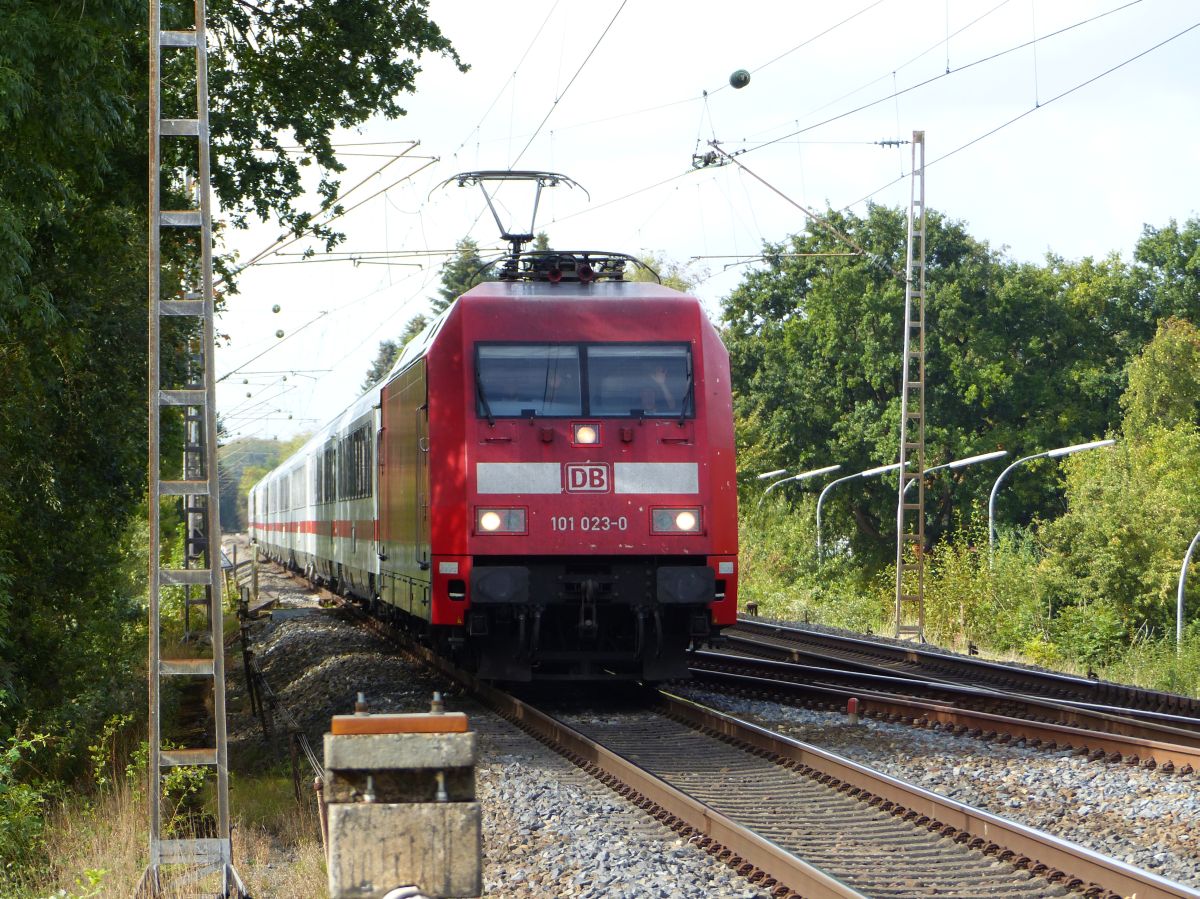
<point x="419" y="723"/>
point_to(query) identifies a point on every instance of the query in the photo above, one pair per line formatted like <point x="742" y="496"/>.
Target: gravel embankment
<point x="1146" y="818"/>
<point x="549" y="830"/>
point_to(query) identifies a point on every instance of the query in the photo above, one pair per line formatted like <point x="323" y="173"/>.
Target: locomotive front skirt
<point x="543" y="485"/>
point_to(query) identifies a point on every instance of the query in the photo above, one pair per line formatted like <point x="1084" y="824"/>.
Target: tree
<point x="681" y="276"/>
<point x="1164" y="381"/>
<point x="460" y="273"/>
<point x="73" y="91"/>
<point x="390" y="350"/>
<point x="1167" y="266"/>
<point x="1019" y="356"/>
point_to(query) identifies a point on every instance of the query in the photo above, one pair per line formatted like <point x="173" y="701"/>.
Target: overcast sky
<point x="620" y="95"/>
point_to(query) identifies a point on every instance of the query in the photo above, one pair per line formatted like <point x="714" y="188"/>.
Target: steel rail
<point x="774" y="861"/>
<point x="1056" y="854"/>
<point x="1131" y="749"/>
<point x="1042" y="853"/>
<point x="1135" y="698"/>
<point x="1106" y="719"/>
<point x="1185" y="725"/>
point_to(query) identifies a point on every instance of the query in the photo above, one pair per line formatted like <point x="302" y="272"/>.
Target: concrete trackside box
<point x="400" y="794"/>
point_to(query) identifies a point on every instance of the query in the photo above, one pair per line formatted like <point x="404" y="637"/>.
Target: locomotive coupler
<point x="588" y="627"/>
<point x="521" y="632"/>
<point x="537" y="631"/>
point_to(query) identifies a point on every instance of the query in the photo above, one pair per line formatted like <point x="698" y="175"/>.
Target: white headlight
<point x="586" y="434"/>
<point x="675" y="521"/>
<point x="500" y="521"/>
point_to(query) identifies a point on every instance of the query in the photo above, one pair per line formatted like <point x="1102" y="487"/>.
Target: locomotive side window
<point x="639" y="379"/>
<point x="527" y="379"/>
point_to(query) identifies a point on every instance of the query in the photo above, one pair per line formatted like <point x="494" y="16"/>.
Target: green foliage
<point x="1157" y="663"/>
<point x="245" y="462"/>
<point x="1019" y="356"/>
<point x="1131" y="512"/>
<point x="1164" y="380"/>
<point x="781" y="573"/>
<point x="1167" y="270"/>
<point x="460" y="273"/>
<point x="295" y="71"/>
<point x="682" y="276"/>
<point x="73" y="212"/>
<point x="89" y="886"/>
<point x="390" y="350"/>
<point x="21" y="804"/>
<point x="105" y="753"/>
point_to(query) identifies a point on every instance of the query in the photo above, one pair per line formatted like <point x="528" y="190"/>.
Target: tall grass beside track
<point x="94" y="843"/>
<point x="1010" y="607"/>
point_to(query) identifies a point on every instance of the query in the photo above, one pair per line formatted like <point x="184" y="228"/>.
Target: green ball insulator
<point x="275" y="308"/>
<point x="279" y="333"/>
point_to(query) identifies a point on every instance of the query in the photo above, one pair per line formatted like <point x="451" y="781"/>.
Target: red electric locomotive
<point x="552" y="479"/>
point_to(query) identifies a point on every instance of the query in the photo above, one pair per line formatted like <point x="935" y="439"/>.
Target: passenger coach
<point x="545" y="481"/>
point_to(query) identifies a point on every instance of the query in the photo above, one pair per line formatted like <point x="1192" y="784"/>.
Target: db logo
<point x="587" y="479"/>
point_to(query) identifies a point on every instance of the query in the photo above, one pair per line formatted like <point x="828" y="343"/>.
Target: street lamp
<point x="870" y="472"/>
<point x="1187" y="560"/>
<point x="803" y="476"/>
<point x="770" y="474"/>
<point x="1049" y="454"/>
<point x="960" y="463"/>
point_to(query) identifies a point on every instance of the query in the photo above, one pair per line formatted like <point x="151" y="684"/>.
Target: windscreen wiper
<point x="688" y="393"/>
<point x="487" y="410"/>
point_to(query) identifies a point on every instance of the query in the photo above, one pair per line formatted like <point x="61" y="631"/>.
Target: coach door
<point x="422" y="485"/>
<point x="403" y="473"/>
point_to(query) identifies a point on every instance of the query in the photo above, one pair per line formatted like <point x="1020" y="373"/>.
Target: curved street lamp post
<point x="802" y="476"/>
<point x="870" y="472"/>
<point x="1049" y="454"/>
<point x="1187" y="560"/>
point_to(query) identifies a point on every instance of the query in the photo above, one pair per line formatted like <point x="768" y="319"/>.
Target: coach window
<point x="527" y="379"/>
<point x="639" y="379"/>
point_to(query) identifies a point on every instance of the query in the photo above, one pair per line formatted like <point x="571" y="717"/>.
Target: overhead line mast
<point x="202" y="850"/>
<point x="910" y="516"/>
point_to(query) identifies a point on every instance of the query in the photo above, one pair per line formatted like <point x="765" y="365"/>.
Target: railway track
<point x="986" y="713"/>
<point x="797" y="644"/>
<point x="799" y="821"/>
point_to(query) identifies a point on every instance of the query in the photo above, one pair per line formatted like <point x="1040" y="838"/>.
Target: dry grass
<point x="99" y="847"/>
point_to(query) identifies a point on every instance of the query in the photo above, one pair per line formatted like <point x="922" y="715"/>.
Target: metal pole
<point x="803" y="476"/>
<point x="1049" y="454"/>
<point x="870" y="472"/>
<point x="960" y="463"/>
<point x="1187" y="560"/>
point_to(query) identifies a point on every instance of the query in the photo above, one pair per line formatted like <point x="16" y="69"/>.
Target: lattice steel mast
<point x="910" y="509"/>
<point x="205" y="850"/>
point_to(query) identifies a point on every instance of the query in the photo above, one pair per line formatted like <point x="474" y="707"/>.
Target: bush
<point x="21" y="809"/>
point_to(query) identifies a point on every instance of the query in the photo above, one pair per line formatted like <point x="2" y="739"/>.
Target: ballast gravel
<point x="1149" y="819"/>
<point x="549" y="830"/>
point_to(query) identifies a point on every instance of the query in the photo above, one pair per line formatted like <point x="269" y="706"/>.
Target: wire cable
<point x="939" y="77"/>
<point x="554" y="104"/>
<point x="1032" y="109"/>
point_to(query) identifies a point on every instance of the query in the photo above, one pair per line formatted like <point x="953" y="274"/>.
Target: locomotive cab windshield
<point x="614" y="380"/>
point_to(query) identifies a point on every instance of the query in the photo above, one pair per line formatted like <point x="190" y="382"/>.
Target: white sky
<point x="1078" y="176"/>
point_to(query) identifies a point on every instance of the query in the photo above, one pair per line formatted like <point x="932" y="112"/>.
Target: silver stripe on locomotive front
<point x="546" y="477"/>
<point x="656" y="477"/>
<point x="519" y="477"/>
